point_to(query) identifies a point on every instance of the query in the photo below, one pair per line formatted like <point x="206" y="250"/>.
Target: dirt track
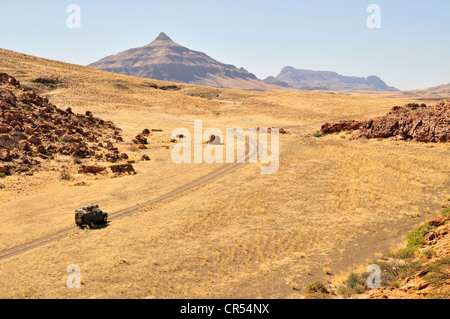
<point x="206" y="179"/>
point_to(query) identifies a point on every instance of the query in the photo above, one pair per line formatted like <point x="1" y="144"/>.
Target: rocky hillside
<point x="422" y="268"/>
<point x="415" y="122"/>
<point x="33" y="130"/>
<point x="330" y="81"/>
<point x="166" y="60"/>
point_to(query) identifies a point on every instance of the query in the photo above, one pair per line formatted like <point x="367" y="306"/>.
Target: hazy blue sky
<point x="411" y="50"/>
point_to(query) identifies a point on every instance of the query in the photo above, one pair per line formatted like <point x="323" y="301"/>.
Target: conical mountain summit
<point x="163" y="59"/>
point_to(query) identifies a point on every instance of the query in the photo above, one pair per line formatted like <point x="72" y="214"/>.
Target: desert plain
<point x="223" y="230"/>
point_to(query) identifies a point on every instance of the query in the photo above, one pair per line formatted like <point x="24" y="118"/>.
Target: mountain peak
<point x="163" y="40"/>
<point x="163" y="37"/>
<point x="166" y="60"/>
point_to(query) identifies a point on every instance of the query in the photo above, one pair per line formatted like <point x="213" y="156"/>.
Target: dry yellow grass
<point x="246" y="234"/>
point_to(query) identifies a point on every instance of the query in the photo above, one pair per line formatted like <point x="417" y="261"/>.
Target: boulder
<point x="41" y="149"/>
<point x="140" y="140"/>
<point x="4" y="154"/>
<point x="95" y="169"/>
<point x="214" y="140"/>
<point x="329" y="128"/>
<point x="15" y="123"/>
<point x="122" y="169"/>
<point x="111" y="157"/>
<point x="12" y="116"/>
<point x="123" y="156"/>
<point x="170" y="87"/>
<point x="34" y="140"/>
<point x="59" y="132"/>
<point x="24" y="146"/>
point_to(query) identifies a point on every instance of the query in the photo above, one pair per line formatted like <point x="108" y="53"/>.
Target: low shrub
<point x="356" y="283"/>
<point x="405" y="253"/>
<point x="318" y="134"/>
<point x="416" y="237"/>
<point x="316" y="287"/>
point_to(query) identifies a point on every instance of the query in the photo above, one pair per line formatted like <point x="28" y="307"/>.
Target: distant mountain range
<point x="166" y="60"/>
<point x="330" y="81"/>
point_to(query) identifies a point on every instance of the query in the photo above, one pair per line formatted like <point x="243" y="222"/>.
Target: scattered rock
<point x="214" y="140"/>
<point x="4" y="154"/>
<point x="140" y="140"/>
<point x="41" y="149"/>
<point x="92" y="169"/>
<point x="80" y="184"/>
<point x="152" y="85"/>
<point x="34" y="140"/>
<point x="24" y="146"/>
<point x="423" y="286"/>
<point x="123" y="156"/>
<point x="170" y="88"/>
<point x="4" y="128"/>
<point x="122" y="169"/>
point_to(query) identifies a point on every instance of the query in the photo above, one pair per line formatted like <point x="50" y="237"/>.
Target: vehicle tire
<point x="79" y="223"/>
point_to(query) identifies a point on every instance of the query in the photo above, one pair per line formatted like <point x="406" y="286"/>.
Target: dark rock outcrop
<point x="414" y="122"/>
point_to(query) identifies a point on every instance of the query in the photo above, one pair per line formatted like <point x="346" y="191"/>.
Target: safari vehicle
<point x="90" y="216"/>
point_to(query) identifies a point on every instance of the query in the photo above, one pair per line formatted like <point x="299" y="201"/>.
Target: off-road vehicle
<point x="90" y="216"/>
